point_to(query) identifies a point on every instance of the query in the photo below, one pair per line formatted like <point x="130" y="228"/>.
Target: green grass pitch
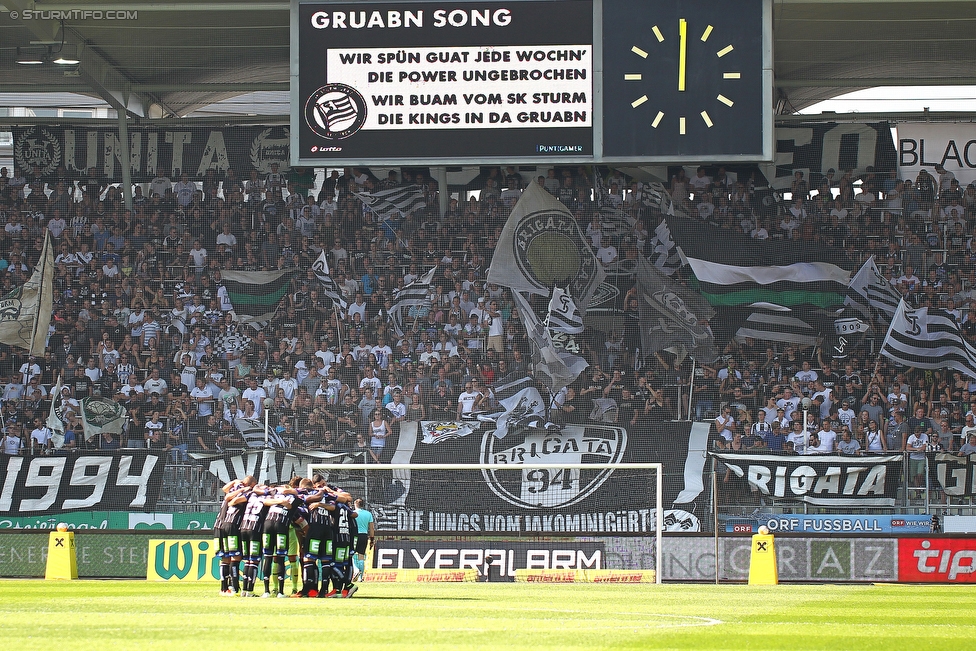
<point x="41" y="615"/>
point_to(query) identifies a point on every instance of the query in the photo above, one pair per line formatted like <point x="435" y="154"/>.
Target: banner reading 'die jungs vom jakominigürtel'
<point x="522" y="499"/>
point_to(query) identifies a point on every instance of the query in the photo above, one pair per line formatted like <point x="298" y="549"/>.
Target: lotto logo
<point x="945" y="560"/>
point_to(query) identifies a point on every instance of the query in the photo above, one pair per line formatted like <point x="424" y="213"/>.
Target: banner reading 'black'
<point x="152" y="151"/>
<point x="821" y="480"/>
<point x="89" y="481"/>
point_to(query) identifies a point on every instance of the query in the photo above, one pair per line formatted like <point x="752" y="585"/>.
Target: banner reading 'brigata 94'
<point x="427" y="80"/>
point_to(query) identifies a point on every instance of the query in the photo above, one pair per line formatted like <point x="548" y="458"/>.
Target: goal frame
<point x="657" y="467"/>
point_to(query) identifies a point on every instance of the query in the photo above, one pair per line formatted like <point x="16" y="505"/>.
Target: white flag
<point x="564" y="316"/>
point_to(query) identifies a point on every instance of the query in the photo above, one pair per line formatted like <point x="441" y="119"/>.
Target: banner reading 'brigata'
<point x="423" y="80"/>
<point x="822" y="480"/>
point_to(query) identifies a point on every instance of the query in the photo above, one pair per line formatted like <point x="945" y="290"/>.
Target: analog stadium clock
<point x="687" y="81"/>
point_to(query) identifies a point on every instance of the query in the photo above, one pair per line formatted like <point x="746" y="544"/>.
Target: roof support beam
<point x="57" y="5"/>
<point x="874" y="82"/>
<point x="94" y="70"/>
<point x="281" y="86"/>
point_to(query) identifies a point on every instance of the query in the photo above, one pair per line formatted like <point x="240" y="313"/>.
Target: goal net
<point x="569" y="516"/>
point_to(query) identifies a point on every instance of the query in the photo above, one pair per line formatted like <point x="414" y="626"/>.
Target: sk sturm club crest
<point x="546" y="488"/>
<point x="335" y="111"/>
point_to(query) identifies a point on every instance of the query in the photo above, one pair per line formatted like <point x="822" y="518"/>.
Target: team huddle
<point x="305" y="518"/>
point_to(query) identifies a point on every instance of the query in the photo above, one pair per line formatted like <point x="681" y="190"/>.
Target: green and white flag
<point x="255" y="294"/>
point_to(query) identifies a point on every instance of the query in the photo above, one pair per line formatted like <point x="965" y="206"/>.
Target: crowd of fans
<point x="139" y="309"/>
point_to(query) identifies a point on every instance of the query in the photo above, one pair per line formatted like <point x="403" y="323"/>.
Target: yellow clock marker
<point x="633" y="77"/>
<point x="657" y="120"/>
<point x="681" y="126"/>
<point x="639" y="52"/>
<point x="640" y="100"/>
<point x="732" y="75"/>
<point x="658" y="34"/>
<point x="708" y="120"/>
<point x="682" y="52"/>
<point x="725" y="50"/>
<point x="706" y="34"/>
<point x="725" y="100"/>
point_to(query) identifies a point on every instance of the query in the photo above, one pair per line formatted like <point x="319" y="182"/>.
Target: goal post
<point x="361" y="479"/>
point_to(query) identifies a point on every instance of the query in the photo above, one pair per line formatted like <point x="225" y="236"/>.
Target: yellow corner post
<point x="62" y="562"/>
<point x="762" y="561"/>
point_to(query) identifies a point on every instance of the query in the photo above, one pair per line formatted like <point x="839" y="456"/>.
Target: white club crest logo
<point x="335" y="111"/>
<point x="535" y="488"/>
<point x="37" y="148"/>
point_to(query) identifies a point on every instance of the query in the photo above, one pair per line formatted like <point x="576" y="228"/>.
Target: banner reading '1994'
<point x="124" y="481"/>
<point x="424" y="80"/>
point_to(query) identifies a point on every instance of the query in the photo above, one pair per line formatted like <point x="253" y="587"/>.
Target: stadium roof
<point x="171" y="58"/>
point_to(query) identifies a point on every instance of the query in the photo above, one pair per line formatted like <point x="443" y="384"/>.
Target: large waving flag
<point x="928" y="338"/>
<point x="394" y="203"/>
<point x="672" y="315"/>
<point x="662" y="252"/>
<point x="870" y="290"/>
<point x="552" y="367"/>
<point x="564" y="316"/>
<point x="254" y="295"/>
<point x="543" y="246"/>
<point x="735" y="270"/>
<point x="252" y="431"/>
<point x="25" y="313"/>
<point x="523" y="405"/>
<point x="329" y="287"/>
<point x="417" y="294"/>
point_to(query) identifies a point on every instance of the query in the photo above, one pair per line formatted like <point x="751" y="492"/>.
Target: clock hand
<point x="682" y="52"/>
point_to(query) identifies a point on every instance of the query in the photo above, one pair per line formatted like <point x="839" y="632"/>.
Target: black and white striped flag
<point x="564" y="316"/>
<point x="252" y="429"/>
<point x="870" y="290"/>
<point x="768" y="322"/>
<point x="928" y="338"/>
<point x="329" y="288"/>
<point x="416" y="294"/>
<point x="394" y="203"/>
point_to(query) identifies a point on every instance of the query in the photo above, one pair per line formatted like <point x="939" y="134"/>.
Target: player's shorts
<point x="342" y="554"/>
<point x="276" y="538"/>
<point x="362" y="540"/>
<point x="293" y="542"/>
<point x="252" y="545"/>
<point x="230" y="543"/>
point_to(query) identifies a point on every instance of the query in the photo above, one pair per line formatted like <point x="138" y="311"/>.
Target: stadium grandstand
<point x="215" y="307"/>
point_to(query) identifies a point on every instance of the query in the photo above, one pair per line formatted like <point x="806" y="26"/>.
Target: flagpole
<point x="691" y="388"/>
